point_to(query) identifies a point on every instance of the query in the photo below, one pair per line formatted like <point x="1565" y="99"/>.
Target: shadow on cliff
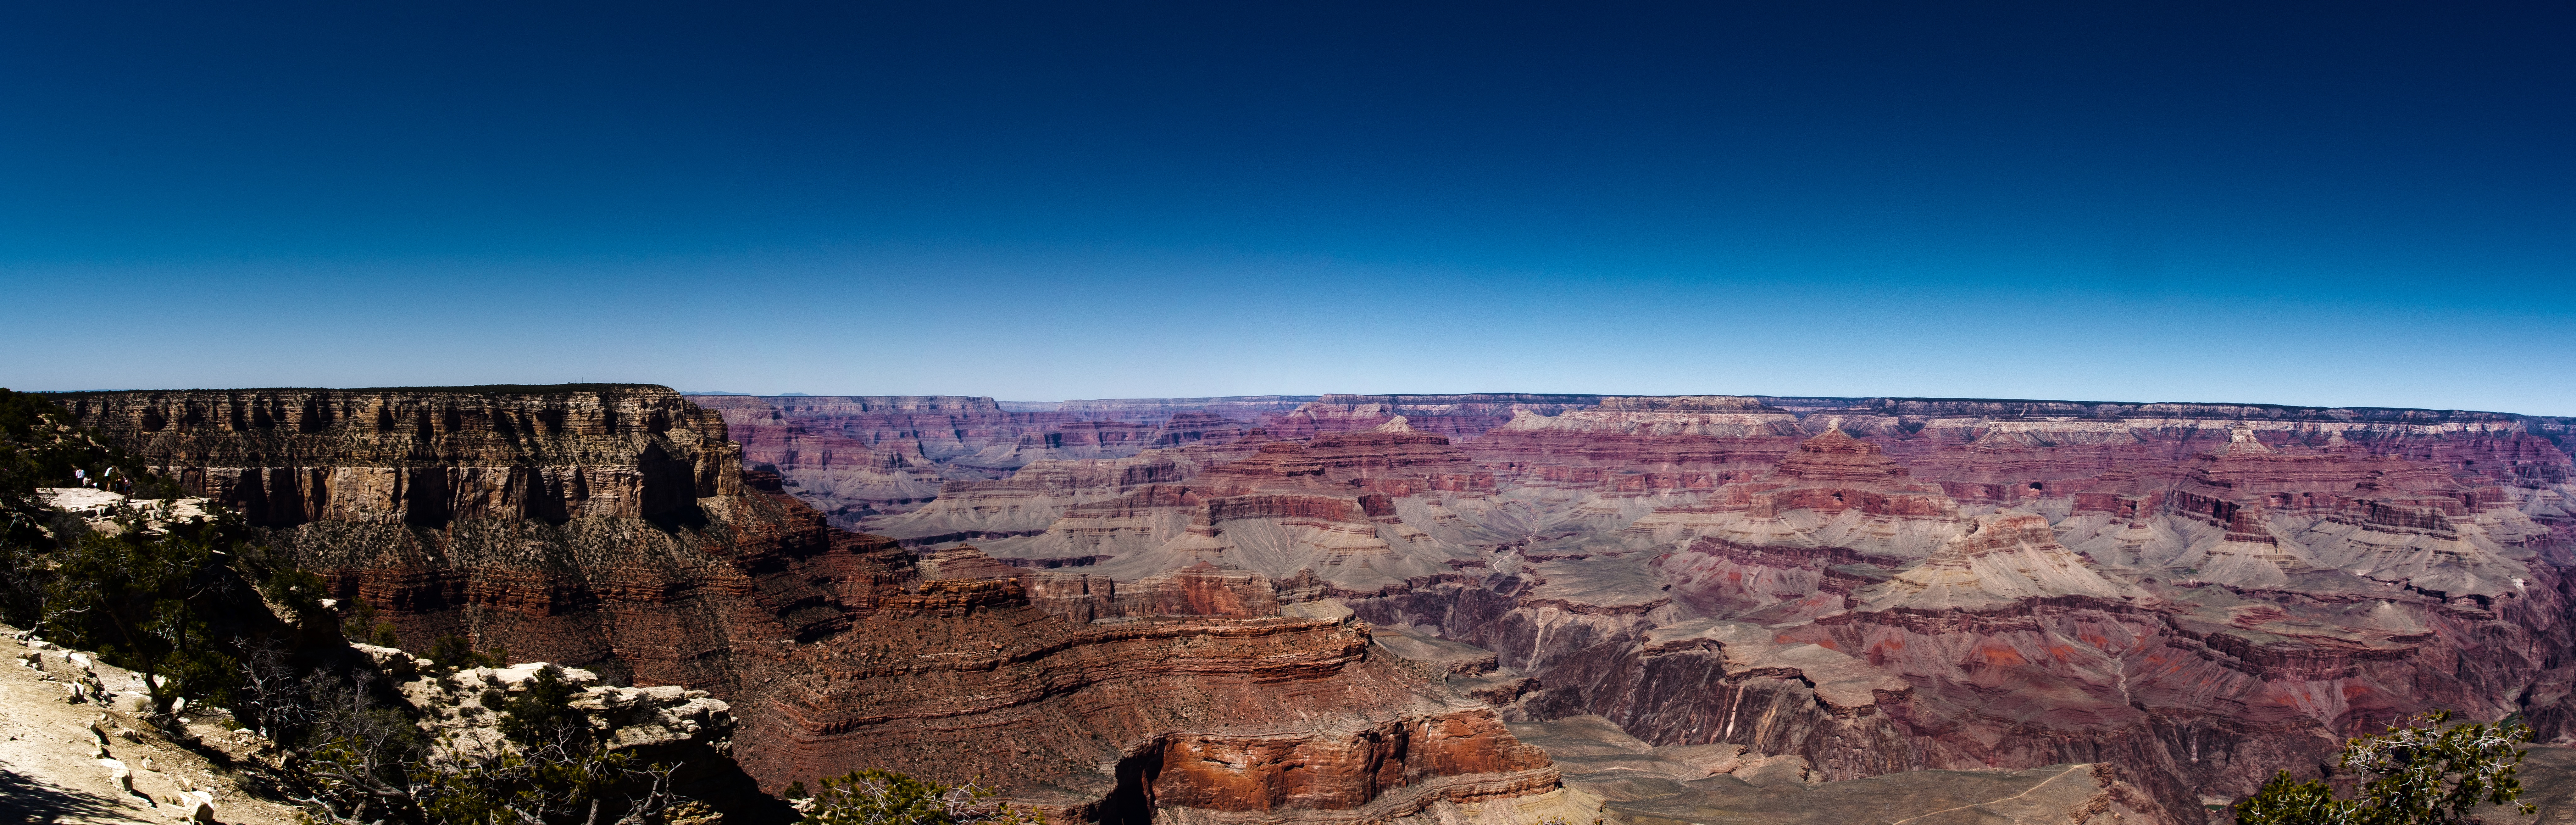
<point x="1132" y="801"/>
<point x="724" y="785"/>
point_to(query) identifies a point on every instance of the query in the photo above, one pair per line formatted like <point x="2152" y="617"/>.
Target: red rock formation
<point x="857" y="457"/>
<point x="831" y="646"/>
<point x="1193" y="428"/>
<point x="1344" y="461"/>
<point x="1728" y="436"/>
<point x="1153" y="410"/>
<point x="2302" y="571"/>
<point x="1099" y="729"/>
<point x="1459" y="417"/>
<point x="2345" y="544"/>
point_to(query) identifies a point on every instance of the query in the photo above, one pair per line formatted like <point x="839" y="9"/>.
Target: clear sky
<point x="2307" y="203"/>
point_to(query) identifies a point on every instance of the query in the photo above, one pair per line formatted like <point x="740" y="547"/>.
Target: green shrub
<point x="363" y="626"/>
<point x="542" y="712"/>
<point x="2414" y="774"/>
<point x="877" y="797"/>
<point x="366" y="766"/>
<point x="164" y="603"/>
<point x="458" y="651"/>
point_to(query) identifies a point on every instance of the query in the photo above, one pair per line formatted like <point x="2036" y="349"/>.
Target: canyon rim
<point x="1493" y="607"/>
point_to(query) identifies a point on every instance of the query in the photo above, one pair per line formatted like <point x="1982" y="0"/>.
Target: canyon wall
<point x="286" y="457"/>
<point x="2196" y="593"/>
<point x="856" y="457"/>
<point x="613" y="528"/>
<point x="1260" y="606"/>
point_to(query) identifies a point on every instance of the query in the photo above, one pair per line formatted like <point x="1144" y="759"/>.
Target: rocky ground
<point x="95" y="762"/>
<point x="1714" y="784"/>
<point x="78" y="751"/>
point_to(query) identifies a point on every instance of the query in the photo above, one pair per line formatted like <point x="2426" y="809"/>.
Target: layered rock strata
<point x="835" y="650"/>
<point x="1456" y="416"/>
<point x="427" y="457"/>
<point x="2194" y="593"/>
<point x="860" y="456"/>
<point x="1649" y="785"/>
<point x="1231" y="720"/>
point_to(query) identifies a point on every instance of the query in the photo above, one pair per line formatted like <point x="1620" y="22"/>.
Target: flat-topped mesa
<point x="1200" y="589"/>
<point x="1153" y="410"/>
<point x="1661" y="434"/>
<point x="1831" y="517"/>
<point x="947" y="426"/>
<point x="1684" y="403"/>
<point x="1824" y="476"/>
<point x="428" y="455"/>
<point x="1835" y="459"/>
<point x="1457" y="416"/>
<point x="2002" y="558"/>
<point x="1396" y="461"/>
<point x="1031" y="499"/>
<point x="1198" y="427"/>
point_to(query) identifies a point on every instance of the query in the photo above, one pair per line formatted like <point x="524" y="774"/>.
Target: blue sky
<point x="2313" y="203"/>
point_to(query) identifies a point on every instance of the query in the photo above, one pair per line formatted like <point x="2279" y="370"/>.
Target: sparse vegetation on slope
<point x="881" y="797"/>
<point x="2416" y="773"/>
<point x="202" y="616"/>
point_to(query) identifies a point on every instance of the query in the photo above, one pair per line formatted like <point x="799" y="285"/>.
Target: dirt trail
<point x="51" y="768"/>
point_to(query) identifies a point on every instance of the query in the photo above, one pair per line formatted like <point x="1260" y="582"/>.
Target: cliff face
<point x="1237" y="719"/>
<point x="1455" y="416"/>
<point x="612" y="529"/>
<point x="428" y="456"/>
<point x="857" y="457"/>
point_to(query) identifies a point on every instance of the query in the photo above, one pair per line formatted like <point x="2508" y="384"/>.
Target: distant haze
<point x="2346" y="204"/>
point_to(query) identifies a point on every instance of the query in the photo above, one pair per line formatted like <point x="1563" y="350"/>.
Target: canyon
<point x="1490" y="607"/>
<point x="2196" y="594"/>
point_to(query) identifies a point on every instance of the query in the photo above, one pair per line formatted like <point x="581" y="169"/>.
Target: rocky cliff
<point x="427" y="456"/>
<point x="856" y="457"/>
<point x="611" y="529"/>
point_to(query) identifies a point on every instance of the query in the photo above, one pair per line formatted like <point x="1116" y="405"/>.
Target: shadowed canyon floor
<point x="1363" y="608"/>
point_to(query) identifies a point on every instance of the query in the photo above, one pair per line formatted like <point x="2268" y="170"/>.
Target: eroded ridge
<point x="1875" y="585"/>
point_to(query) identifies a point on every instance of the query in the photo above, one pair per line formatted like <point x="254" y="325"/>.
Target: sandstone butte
<point x="1362" y="608"/>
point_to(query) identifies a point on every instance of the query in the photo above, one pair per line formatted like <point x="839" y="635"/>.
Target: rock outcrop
<point x="2001" y="559"/>
<point x="859" y="456"/>
<point x="833" y="650"/>
<point x="1649" y="785"/>
<point x="427" y="456"/>
<point x="77" y="748"/>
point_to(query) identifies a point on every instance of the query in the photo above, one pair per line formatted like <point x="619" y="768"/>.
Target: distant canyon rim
<point x="1362" y="608"/>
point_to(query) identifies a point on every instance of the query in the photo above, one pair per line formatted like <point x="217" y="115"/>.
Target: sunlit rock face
<point x="615" y="530"/>
<point x="426" y="457"/>
<point x="2197" y="594"/>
